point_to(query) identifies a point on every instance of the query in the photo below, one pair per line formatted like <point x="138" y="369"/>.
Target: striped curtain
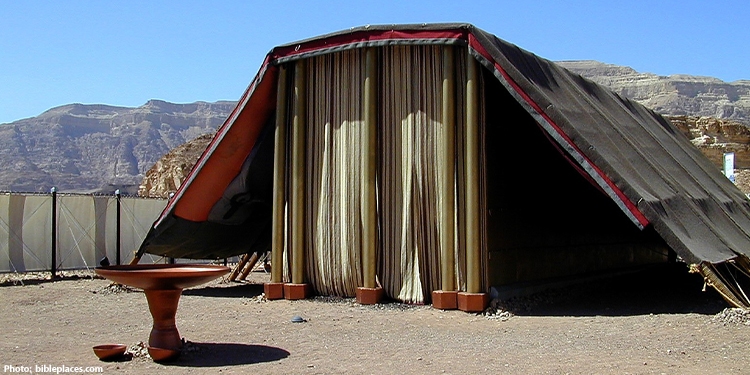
<point x="411" y="172"/>
<point x="334" y="133"/>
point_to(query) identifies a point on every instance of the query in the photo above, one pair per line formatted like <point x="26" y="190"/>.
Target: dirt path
<point x="638" y="324"/>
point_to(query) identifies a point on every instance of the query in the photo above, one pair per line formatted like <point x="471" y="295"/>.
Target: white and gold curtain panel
<point x="334" y="135"/>
<point x="412" y="181"/>
<point x="411" y="171"/>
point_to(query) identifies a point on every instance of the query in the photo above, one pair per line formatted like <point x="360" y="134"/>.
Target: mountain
<point x="99" y="148"/>
<point x="675" y="95"/>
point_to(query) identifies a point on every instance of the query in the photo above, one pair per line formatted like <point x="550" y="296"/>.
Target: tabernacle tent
<point x="421" y="158"/>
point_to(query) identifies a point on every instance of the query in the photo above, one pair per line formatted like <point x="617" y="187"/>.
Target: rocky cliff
<point x="170" y="171"/>
<point x="98" y="148"/>
<point x="715" y="136"/>
<point x="676" y="95"/>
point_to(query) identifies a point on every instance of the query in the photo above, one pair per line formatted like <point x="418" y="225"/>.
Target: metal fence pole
<point x="118" y="196"/>
<point x="54" y="231"/>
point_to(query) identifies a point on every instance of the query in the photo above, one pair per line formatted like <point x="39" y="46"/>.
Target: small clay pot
<point x="109" y="351"/>
<point x="161" y="354"/>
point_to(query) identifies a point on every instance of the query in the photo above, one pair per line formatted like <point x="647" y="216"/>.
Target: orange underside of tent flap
<point x="225" y="162"/>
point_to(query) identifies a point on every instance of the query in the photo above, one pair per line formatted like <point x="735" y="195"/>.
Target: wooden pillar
<point x="275" y="289"/>
<point x="446" y="298"/>
<point x="473" y="284"/>
<point x="473" y="299"/>
<point x="447" y="239"/>
<point x="297" y="289"/>
<point x="369" y="293"/>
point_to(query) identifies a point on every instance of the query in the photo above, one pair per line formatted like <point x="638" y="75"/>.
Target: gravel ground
<point x="656" y="321"/>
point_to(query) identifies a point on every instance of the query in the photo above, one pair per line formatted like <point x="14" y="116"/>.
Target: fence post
<point x="54" y="231"/>
<point x="117" y="247"/>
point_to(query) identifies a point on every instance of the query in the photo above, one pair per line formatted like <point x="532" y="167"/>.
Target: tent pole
<point x="279" y="175"/>
<point x="370" y="293"/>
<point x="473" y="299"/>
<point x="447" y="297"/>
<point x="370" y="152"/>
<point x="448" y="264"/>
<point x="473" y="265"/>
<point x="298" y="175"/>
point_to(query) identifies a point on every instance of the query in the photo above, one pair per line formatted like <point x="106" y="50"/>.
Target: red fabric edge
<point x="477" y="46"/>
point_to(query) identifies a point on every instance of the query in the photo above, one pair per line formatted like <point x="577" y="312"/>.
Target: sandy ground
<point x="654" y="322"/>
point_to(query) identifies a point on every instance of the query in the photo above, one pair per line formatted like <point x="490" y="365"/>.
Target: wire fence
<point x="51" y="232"/>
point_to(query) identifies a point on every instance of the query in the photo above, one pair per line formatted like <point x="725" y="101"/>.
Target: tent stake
<point x="239" y="267"/>
<point x="249" y="266"/>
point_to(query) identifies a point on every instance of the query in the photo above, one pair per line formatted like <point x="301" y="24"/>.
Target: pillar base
<point x="273" y="290"/>
<point x="369" y="296"/>
<point x="296" y="291"/>
<point x="473" y="302"/>
<point x="444" y="299"/>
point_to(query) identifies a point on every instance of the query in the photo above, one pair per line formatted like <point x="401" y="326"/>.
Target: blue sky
<point x="127" y="52"/>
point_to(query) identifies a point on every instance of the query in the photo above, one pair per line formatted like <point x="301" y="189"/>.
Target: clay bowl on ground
<point x="109" y="351"/>
<point x="161" y="355"/>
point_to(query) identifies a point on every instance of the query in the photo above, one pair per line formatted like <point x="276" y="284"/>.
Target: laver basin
<point x="162" y="276"/>
<point x="163" y="285"/>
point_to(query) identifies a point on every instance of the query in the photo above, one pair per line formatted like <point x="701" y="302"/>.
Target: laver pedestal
<point x="163" y="285"/>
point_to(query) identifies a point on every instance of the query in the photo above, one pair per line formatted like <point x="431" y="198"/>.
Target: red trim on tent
<point x="477" y="46"/>
<point x="225" y="162"/>
<point x="365" y="36"/>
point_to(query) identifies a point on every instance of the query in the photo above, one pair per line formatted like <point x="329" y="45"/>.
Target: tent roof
<point x="642" y="162"/>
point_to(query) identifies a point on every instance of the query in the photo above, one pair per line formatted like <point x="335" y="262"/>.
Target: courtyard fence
<point x="50" y="232"/>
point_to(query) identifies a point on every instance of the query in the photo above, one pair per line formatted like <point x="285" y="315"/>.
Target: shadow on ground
<point x="205" y="354"/>
<point x="664" y="289"/>
<point x="229" y="290"/>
